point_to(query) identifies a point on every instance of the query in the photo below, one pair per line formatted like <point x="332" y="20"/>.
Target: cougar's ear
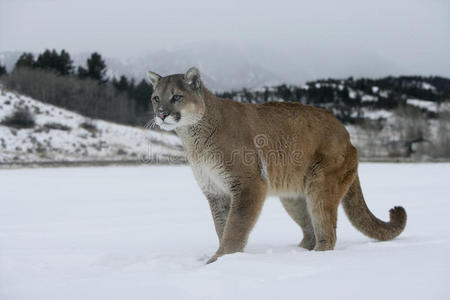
<point x="153" y="77"/>
<point x="192" y="77"/>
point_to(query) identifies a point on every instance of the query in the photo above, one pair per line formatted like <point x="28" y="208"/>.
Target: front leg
<point x="246" y="205"/>
<point x="220" y="207"/>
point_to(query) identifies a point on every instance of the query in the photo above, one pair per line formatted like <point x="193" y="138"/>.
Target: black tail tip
<point x="397" y="213"/>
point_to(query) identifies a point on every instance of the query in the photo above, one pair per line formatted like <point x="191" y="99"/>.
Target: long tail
<point x="360" y="216"/>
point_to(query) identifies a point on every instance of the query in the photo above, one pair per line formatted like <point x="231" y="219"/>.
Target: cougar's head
<point x="177" y="99"/>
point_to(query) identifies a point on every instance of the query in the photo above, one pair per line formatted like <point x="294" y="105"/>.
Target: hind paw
<point x="308" y="243"/>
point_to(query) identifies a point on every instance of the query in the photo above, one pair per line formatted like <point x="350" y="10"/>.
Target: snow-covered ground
<point x="72" y="141"/>
<point x="429" y="105"/>
<point x="146" y="232"/>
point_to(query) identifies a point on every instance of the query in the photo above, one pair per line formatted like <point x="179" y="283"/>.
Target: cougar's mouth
<point x="168" y="123"/>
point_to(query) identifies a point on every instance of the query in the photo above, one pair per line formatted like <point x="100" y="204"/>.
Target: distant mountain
<point x="229" y="67"/>
<point x="222" y="68"/>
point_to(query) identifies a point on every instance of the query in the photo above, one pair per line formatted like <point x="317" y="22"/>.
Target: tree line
<point x="52" y="77"/>
<point x="88" y="90"/>
<point x="346" y="98"/>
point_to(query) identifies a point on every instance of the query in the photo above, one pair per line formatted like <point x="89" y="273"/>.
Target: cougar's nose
<point x="162" y="115"/>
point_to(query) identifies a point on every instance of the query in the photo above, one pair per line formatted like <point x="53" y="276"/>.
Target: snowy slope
<point x="146" y="232"/>
<point x="107" y="141"/>
<point x="428" y="105"/>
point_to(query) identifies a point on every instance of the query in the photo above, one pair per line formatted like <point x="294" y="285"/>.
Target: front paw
<point x="224" y="251"/>
<point x="218" y="254"/>
<point x="212" y="259"/>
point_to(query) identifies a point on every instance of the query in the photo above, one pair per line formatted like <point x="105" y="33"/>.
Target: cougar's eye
<point x="156" y="99"/>
<point x="176" y="98"/>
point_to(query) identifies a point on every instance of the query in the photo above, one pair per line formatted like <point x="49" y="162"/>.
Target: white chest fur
<point x="210" y="178"/>
<point x="206" y="164"/>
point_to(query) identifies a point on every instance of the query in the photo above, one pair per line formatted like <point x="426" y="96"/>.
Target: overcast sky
<point x="412" y="34"/>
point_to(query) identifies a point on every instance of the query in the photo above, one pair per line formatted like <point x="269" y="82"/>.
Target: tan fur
<point x="241" y="152"/>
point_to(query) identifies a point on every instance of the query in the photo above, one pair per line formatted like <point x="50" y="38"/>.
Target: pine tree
<point x="142" y="94"/>
<point x="3" y="70"/>
<point x="65" y="63"/>
<point x="131" y="87"/>
<point x="115" y="83"/>
<point x="96" y="68"/>
<point x="26" y="60"/>
<point x="122" y="84"/>
<point x="46" y="60"/>
<point x="82" y="73"/>
<point x="52" y="61"/>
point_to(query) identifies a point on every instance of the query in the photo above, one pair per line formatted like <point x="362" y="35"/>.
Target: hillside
<point x="392" y="117"/>
<point x="58" y="135"/>
<point x="406" y="118"/>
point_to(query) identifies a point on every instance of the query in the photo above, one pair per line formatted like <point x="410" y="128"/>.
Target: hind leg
<point x="322" y="200"/>
<point x="323" y="211"/>
<point x="326" y="183"/>
<point x="296" y="208"/>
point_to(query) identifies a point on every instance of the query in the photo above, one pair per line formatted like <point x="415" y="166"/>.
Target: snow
<point x="427" y="86"/>
<point x="384" y="94"/>
<point x="429" y="105"/>
<point x="351" y="94"/>
<point x="108" y="141"/>
<point x="146" y="232"/>
<point x="376" y="114"/>
<point x="369" y="98"/>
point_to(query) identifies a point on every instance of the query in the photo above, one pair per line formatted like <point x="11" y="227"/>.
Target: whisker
<point x="149" y="124"/>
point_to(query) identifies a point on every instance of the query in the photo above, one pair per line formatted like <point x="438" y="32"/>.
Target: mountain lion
<point x="240" y="153"/>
